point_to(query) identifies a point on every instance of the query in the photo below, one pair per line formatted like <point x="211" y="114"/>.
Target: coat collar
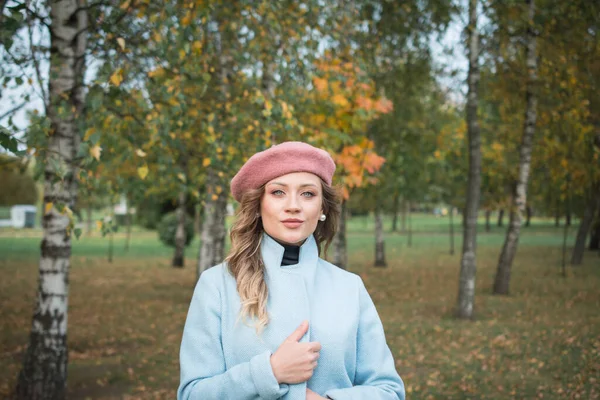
<point x="272" y="254"/>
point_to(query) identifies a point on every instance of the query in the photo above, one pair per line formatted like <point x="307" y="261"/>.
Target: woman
<point x="275" y="320"/>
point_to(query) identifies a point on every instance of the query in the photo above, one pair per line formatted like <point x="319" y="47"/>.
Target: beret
<point x="279" y="160"/>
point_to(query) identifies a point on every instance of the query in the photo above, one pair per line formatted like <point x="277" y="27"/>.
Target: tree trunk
<point x="180" y="237"/>
<point x="501" y="217"/>
<point x="487" y="220"/>
<point x="341" y="252"/>
<point x="595" y="236"/>
<point x="404" y="212"/>
<point x="556" y="219"/>
<point x="268" y="84"/>
<point x="379" y="240"/>
<point x="565" y="235"/>
<point x="197" y="219"/>
<point x="89" y="220"/>
<point x="568" y="218"/>
<point x="466" y="290"/>
<point x="129" y="217"/>
<point x="584" y="228"/>
<point x="44" y="372"/>
<point x="396" y="207"/>
<point x="409" y="218"/>
<point x="128" y="234"/>
<point x="519" y="199"/>
<point x="111" y="235"/>
<point x="528" y="216"/>
<point x="212" y="247"/>
<point x="451" y="219"/>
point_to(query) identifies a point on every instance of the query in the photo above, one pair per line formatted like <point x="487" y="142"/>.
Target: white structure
<point x="123" y="208"/>
<point x="21" y="216"/>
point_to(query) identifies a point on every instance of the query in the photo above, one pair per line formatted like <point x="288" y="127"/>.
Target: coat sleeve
<point x="202" y="362"/>
<point x="376" y="377"/>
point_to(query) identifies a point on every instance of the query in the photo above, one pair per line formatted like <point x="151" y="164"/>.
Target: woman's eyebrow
<point x="285" y="185"/>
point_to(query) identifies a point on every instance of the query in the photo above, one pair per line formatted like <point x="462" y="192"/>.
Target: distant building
<point x="21" y="216"/>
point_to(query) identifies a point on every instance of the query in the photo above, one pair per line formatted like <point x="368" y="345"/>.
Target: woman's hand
<point x="310" y="395"/>
<point x="294" y="362"/>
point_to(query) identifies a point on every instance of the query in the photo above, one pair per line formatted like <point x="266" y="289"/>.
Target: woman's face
<point x="291" y="206"/>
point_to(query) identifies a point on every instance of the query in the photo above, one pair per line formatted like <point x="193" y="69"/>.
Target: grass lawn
<point x="126" y="318"/>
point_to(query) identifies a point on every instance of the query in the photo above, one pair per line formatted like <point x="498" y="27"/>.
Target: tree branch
<point x="13" y="110"/>
<point x="35" y="62"/>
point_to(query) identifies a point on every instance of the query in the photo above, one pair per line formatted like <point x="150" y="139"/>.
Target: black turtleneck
<point x="290" y="255"/>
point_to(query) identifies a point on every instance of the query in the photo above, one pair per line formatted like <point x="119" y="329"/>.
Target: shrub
<point x="168" y="226"/>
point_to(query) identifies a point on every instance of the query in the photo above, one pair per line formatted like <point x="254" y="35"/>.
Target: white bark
<point x="519" y="199"/>
<point x="466" y="292"/>
<point x="44" y="370"/>
<point x="212" y="246"/>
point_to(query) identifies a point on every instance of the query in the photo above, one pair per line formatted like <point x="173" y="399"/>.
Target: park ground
<point x="126" y="317"/>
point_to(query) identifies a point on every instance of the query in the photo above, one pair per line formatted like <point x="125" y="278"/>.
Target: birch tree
<point x="466" y="290"/>
<point x="44" y="372"/>
<point x="519" y="198"/>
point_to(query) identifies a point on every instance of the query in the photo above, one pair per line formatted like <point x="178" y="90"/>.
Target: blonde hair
<point x="244" y="259"/>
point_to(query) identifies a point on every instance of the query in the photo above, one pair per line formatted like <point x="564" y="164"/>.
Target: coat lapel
<point x="288" y="304"/>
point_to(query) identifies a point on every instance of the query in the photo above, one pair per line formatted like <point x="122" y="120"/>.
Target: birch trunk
<point x="89" y="220"/>
<point x="519" y="198"/>
<point x="595" y="236"/>
<point x="212" y="246"/>
<point x="404" y="212"/>
<point x="451" y="230"/>
<point x="466" y="291"/>
<point x="584" y="228"/>
<point x="180" y="237"/>
<point x="129" y="217"/>
<point x="339" y="245"/>
<point x="379" y="240"/>
<point x="500" y="218"/>
<point x="396" y="206"/>
<point x="409" y="218"/>
<point x="44" y="372"/>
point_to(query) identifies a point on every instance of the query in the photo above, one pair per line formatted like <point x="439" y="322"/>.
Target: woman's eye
<point x="308" y="194"/>
<point x="277" y="192"/>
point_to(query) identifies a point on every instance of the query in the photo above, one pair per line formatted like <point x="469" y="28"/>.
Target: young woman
<point x="275" y="321"/>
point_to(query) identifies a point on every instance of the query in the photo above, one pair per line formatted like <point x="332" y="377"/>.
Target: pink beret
<point x="279" y="160"/>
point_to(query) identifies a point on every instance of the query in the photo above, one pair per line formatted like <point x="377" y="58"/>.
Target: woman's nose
<point x="293" y="204"/>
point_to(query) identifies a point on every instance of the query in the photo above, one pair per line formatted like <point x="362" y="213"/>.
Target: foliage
<point x="168" y="227"/>
<point x="18" y="185"/>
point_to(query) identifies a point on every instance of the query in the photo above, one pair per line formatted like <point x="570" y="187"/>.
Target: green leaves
<point x="7" y="141"/>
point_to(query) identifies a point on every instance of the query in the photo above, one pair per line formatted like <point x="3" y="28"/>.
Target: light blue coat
<point x="221" y="359"/>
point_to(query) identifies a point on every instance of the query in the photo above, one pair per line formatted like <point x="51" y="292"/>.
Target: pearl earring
<point x="323" y="217"/>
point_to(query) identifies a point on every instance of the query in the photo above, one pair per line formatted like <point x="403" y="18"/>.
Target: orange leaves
<point x="384" y="105"/>
<point x="357" y="162"/>
<point x="339" y="100"/>
<point x="381" y="105"/>
<point x="320" y="84"/>
<point x="364" y="102"/>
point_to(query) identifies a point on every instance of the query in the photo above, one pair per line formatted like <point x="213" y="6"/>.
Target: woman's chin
<point x="293" y="239"/>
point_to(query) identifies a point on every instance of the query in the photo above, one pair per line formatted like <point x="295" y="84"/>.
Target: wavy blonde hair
<point x="244" y="259"/>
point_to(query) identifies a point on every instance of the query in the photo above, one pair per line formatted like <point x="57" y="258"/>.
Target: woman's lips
<point x="292" y="224"/>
